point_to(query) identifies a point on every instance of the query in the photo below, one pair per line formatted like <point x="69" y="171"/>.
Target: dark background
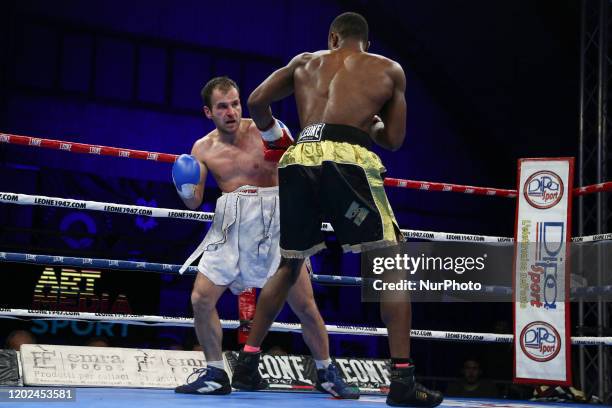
<point x="488" y="82"/>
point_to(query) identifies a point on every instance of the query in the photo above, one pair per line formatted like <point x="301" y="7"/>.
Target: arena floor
<point x="151" y="398"/>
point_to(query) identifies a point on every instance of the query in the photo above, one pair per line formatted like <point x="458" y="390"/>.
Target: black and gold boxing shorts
<point x="331" y="175"/>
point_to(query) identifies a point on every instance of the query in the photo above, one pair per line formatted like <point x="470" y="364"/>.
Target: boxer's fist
<point x="376" y="126"/>
<point x="276" y="140"/>
<point x="186" y="175"/>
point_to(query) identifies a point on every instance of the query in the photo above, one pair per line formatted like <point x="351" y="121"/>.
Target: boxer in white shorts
<point x="241" y="249"/>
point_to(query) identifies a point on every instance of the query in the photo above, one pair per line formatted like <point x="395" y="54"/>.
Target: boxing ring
<point x="103" y="398"/>
<point x="129" y="397"/>
<point x="106" y="397"/>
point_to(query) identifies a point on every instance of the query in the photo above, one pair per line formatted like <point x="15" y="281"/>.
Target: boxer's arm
<point x="276" y="140"/>
<point x="391" y="132"/>
<point x="199" y="190"/>
<point x="195" y="201"/>
<point x="277" y="86"/>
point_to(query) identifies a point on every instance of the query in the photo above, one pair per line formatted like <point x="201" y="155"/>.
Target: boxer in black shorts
<point x="346" y="98"/>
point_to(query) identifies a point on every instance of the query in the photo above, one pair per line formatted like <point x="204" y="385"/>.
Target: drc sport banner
<point x="541" y="271"/>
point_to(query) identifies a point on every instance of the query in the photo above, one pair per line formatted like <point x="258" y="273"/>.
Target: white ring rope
<point x="26" y="199"/>
<point x="149" y="320"/>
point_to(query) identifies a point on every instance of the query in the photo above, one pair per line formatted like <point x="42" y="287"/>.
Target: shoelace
<point x="200" y="372"/>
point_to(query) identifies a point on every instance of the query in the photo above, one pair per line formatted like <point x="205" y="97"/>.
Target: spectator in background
<point x="17" y="338"/>
<point x="499" y="356"/>
<point x="472" y="385"/>
<point x="98" y="342"/>
<point x="277" y="350"/>
<point x="175" y="346"/>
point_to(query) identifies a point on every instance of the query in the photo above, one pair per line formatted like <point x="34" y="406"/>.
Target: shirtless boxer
<point x="241" y="248"/>
<point x="330" y="174"/>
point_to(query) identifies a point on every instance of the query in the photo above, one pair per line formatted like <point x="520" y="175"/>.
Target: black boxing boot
<point x="406" y="392"/>
<point x="246" y="373"/>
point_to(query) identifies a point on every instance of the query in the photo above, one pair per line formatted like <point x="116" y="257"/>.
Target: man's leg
<point x="396" y="314"/>
<point x="397" y="317"/>
<point x="395" y="307"/>
<point x="211" y="380"/>
<point x="302" y="302"/>
<point x="204" y="299"/>
<point x="272" y="299"/>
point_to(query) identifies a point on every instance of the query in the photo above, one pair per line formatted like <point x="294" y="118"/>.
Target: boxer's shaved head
<point x="350" y="25"/>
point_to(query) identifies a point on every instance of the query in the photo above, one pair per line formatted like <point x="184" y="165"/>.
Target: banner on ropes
<point x="370" y="375"/>
<point x="541" y="271"/>
<point x="46" y="365"/>
<point x="299" y="373"/>
<point x="282" y="372"/>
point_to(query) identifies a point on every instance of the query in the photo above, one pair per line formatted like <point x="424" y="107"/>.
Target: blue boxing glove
<point x="277" y="138"/>
<point x="186" y="175"/>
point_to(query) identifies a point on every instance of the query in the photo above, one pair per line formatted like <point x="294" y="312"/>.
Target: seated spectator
<point x="17" y="338"/>
<point x="277" y="350"/>
<point x="98" y="342"/>
<point x="471" y="385"/>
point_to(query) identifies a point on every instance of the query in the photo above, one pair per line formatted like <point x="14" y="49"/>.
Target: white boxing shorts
<point x="241" y="249"/>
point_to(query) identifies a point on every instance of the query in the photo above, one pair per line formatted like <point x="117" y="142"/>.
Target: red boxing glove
<point x="273" y="155"/>
<point x="276" y="140"/>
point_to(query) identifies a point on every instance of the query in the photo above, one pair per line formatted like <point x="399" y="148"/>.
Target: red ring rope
<point x="170" y="158"/>
<point x="86" y="148"/>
